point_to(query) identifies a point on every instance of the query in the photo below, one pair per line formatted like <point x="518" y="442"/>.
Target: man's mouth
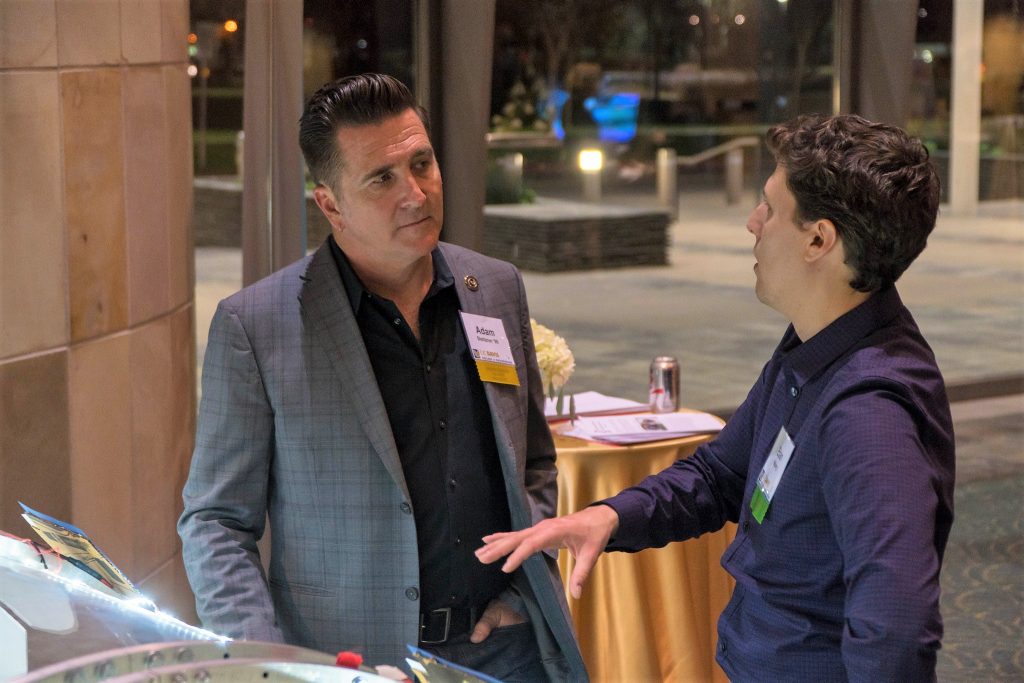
<point x="416" y="222"/>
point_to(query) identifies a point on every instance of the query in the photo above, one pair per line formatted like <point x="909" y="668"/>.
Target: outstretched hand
<point x="584" y="533"/>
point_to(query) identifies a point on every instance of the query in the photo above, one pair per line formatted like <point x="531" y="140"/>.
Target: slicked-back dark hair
<point x="366" y="99"/>
<point x="873" y="181"/>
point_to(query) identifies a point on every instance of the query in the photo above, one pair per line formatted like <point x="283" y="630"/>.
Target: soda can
<point x="664" y="393"/>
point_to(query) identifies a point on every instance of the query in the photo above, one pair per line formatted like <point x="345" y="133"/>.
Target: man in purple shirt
<point x="839" y="465"/>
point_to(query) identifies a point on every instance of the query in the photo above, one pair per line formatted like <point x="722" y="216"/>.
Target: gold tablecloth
<point x="647" y="616"/>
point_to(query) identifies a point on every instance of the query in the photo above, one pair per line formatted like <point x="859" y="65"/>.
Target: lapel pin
<point x="471" y="283"/>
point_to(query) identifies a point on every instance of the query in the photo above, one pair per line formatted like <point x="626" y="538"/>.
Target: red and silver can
<point x="664" y="393"/>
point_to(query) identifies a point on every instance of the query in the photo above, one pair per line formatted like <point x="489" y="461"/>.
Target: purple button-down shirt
<point x="841" y="579"/>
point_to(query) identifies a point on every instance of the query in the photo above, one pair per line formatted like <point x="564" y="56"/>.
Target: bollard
<point x="506" y="184"/>
<point x="591" y="161"/>
<point x="667" y="174"/>
<point x="240" y="154"/>
<point x="734" y="176"/>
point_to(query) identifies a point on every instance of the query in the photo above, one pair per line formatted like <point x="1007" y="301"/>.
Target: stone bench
<point x="555" y="235"/>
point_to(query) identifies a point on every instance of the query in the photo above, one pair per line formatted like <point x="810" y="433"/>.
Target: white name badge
<point x="771" y="474"/>
<point x="490" y="349"/>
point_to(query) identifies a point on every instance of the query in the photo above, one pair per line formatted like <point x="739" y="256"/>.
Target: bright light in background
<point x="922" y="13"/>
<point x="193" y="39"/>
<point x="230" y="25"/>
<point x="193" y="70"/>
<point x="927" y="57"/>
<point x="694" y="20"/>
<point x="740" y="19"/>
<point x="591" y="160"/>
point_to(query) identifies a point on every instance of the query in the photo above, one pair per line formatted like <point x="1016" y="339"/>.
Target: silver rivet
<point x="471" y="283"/>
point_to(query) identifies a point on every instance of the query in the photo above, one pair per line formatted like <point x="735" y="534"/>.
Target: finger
<point x="527" y="547"/>
<point x="495" y="549"/>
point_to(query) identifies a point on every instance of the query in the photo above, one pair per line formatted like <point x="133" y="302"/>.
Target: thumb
<point x="482" y="629"/>
<point x="585" y="561"/>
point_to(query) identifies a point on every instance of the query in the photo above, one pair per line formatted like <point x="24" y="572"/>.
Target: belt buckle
<point x="447" y="611"/>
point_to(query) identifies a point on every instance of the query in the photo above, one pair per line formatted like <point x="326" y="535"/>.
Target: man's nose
<point x="414" y="194"/>
<point x="756" y="220"/>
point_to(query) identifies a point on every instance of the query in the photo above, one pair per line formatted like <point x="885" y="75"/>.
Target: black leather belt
<point x="437" y="626"/>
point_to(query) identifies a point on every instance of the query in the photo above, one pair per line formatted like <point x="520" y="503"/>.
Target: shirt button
<point x="451" y="482"/>
<point x="458" y="541"/>
<point x="722" y="646"/>
<point x="406" y="508"/>
<point x="412" y="593"/>
<point x="442" y="424"/>
<point x="746" y="524"/>
<point x="428" y="367"/>
<point x="453" y="597"/>
<point x="397" y="321"/>
<point x="794" y="392"/>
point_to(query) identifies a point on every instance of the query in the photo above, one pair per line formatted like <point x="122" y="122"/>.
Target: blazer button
<point x="412" y="593"/>
<point x="406" y="508"/>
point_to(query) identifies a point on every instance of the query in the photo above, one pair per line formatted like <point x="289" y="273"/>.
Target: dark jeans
<point x="509" y="654"/>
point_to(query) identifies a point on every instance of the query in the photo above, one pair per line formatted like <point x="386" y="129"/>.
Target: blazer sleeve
<point x="541" y="474"/>
<point x="225" y="495"/>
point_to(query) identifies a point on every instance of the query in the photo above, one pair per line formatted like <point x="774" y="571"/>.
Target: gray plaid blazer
<point x="292" y="426"/>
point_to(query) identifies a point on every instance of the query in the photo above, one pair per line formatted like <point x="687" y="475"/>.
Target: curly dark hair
<point x="873" y="181"/>
<point x="366" y="99"/>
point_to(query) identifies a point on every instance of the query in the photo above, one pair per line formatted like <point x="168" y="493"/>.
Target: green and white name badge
<point x="771" y="474"/>
<point x="490" y="349"/>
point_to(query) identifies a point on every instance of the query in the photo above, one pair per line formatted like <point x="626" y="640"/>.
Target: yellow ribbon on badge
<point x="499" y="373"/>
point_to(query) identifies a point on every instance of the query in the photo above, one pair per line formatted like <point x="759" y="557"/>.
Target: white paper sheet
<point x="642" y="427"/>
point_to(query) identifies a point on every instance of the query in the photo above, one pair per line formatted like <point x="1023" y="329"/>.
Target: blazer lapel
<point x="501" y="398"/>
<point x="328" y="316"/>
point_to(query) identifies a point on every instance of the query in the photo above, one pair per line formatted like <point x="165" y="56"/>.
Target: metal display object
<point x="192" y="656"/>
<point x="59" y="623"/>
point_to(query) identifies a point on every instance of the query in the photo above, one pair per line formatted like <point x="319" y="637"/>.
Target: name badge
<point x="490" y="349"/>
<point x="771" y="474"/>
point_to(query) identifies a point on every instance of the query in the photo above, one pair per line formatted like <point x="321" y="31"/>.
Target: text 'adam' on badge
<point x="490" y="349"/>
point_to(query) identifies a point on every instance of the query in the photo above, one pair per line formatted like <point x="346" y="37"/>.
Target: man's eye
<point x="383" y="179"/>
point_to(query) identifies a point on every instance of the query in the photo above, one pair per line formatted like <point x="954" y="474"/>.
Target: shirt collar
<point x="806" y="360"/>
<point x="357" y="292"/>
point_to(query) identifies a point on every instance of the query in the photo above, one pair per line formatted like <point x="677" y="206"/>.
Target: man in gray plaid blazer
<point x="340" y="398"/>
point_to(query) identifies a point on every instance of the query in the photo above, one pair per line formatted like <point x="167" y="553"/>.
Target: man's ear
<point x="822" y="240"/>
<point x="328" y="203"/>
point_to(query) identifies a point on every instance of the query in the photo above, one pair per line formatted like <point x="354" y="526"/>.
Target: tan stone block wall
<point x="97" y="350"/>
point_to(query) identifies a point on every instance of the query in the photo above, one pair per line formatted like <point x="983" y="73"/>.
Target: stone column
<point x="97" y="371"/>
<point x="965" y="117"/>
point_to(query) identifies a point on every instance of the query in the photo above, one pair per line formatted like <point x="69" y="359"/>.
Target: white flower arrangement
<point x="555" y="360"/>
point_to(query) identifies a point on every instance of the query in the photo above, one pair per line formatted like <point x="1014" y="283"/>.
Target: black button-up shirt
<point x="442" y="426"/>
